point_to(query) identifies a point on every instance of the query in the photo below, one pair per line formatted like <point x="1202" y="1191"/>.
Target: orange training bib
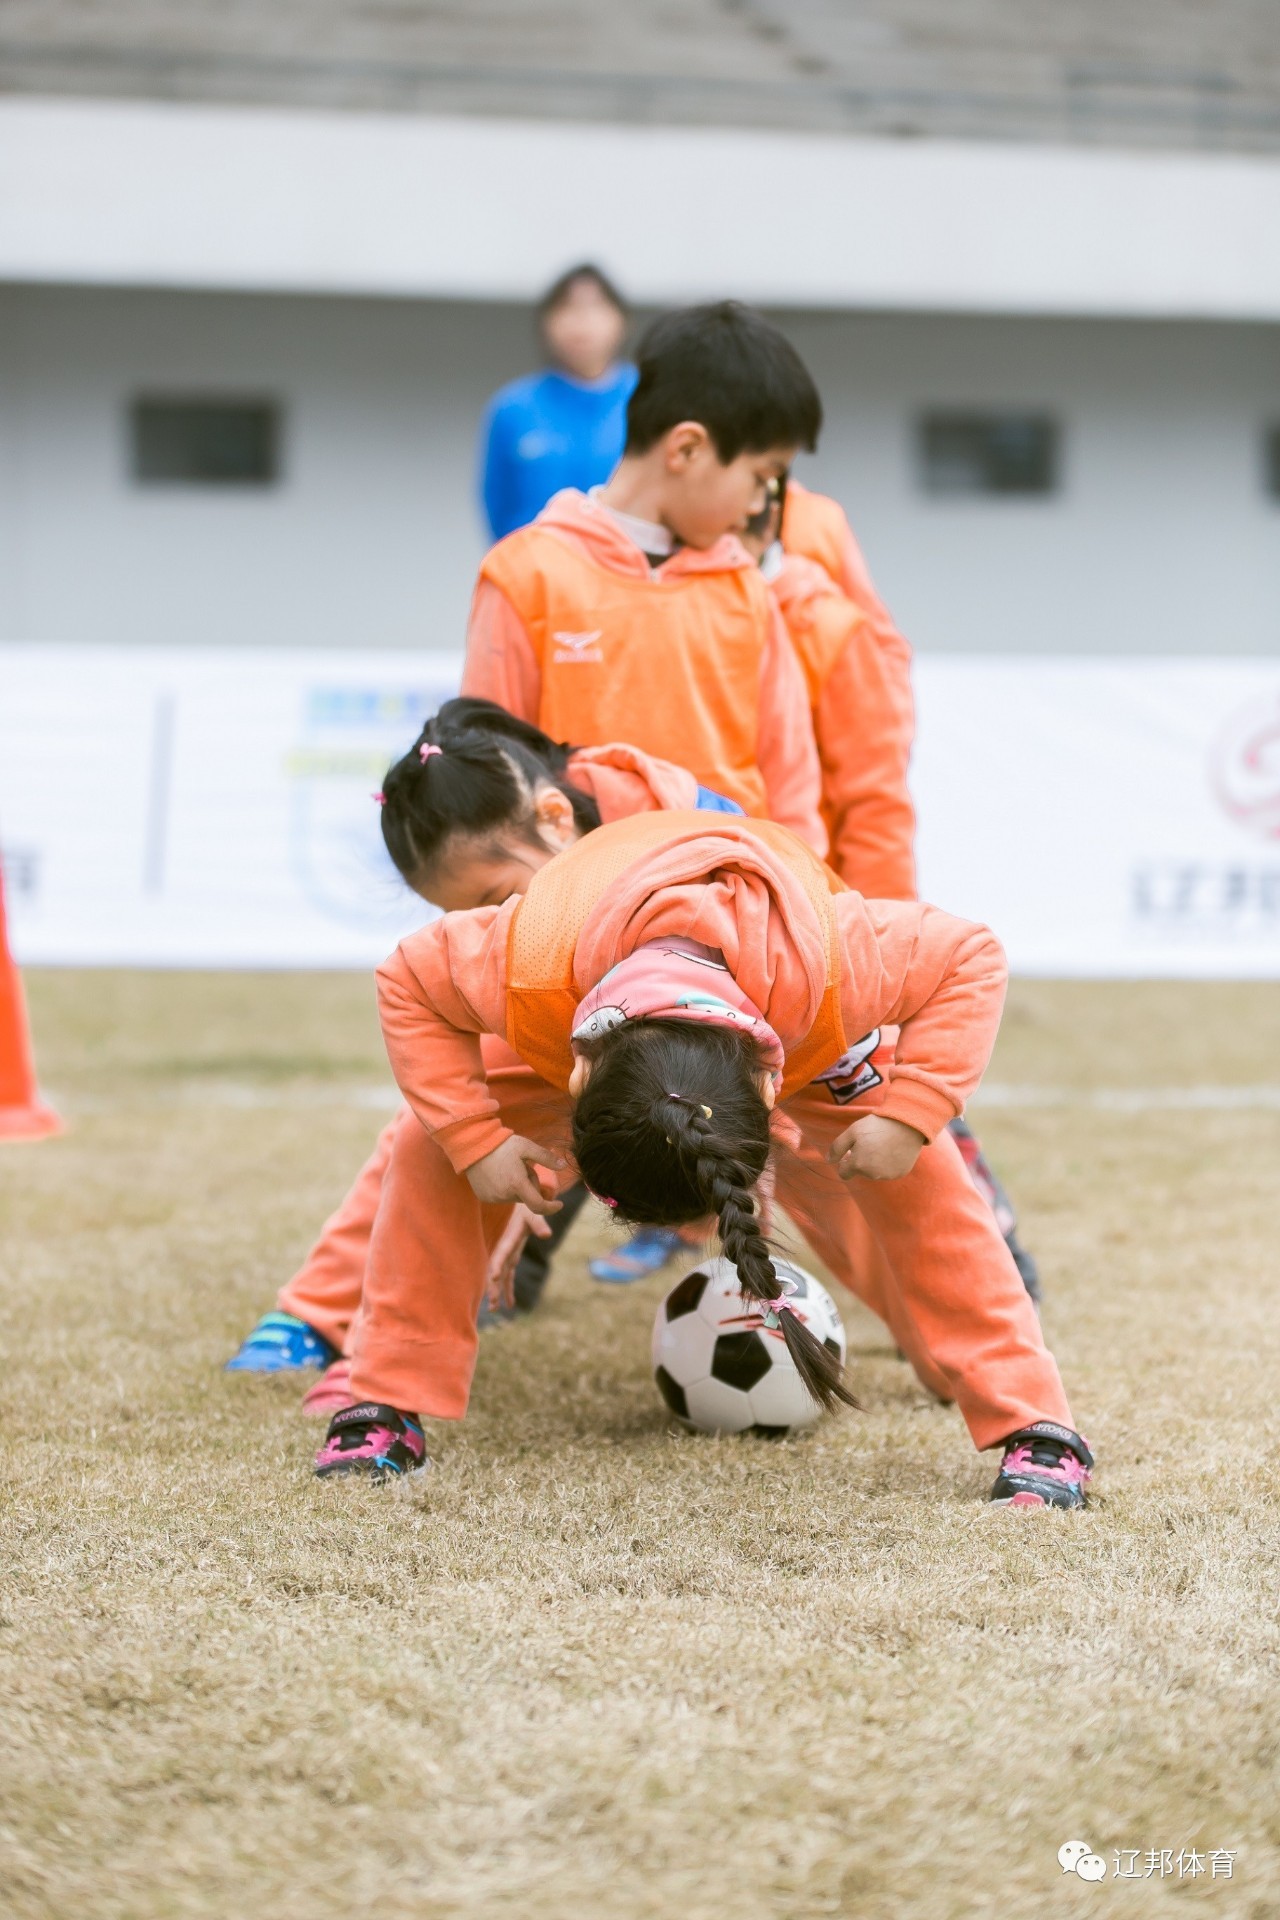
<point x="670" y="665"/>
<point x="541" y="996"/>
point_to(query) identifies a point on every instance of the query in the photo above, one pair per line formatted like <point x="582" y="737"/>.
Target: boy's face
<point x="707" y="498"/>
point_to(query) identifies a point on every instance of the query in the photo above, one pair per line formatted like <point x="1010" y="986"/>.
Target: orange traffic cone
<point x="23" y="1116"/>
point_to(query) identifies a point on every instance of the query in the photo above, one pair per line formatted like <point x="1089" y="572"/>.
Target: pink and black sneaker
<point x="1044" y="1466"/>
<point x="378" y="1441"/>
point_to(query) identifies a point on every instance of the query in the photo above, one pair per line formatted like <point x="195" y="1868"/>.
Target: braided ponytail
<point x="672" y="1126"/>
<point x="721" y="1178"/>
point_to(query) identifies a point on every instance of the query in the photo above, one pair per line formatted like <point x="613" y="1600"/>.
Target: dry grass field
<point x="591" y="1666"/>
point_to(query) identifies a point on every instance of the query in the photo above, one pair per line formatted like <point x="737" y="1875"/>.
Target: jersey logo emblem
<point x="578" y="648"/>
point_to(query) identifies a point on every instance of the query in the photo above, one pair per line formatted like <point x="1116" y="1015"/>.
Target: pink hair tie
<point x="770" y="1310"/>
<point x="426" y="750"/>
<point x="605" y="1201"/>
<point x="381" y="798"/>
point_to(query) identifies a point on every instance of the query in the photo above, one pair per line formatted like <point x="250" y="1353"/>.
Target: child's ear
<point x="684" y="444"/>
<point x="553" y="813"/>
<point x="579" y="1077"/>
<point x="768" y="1092"/>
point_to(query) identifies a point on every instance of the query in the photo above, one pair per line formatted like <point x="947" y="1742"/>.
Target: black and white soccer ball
<point x="717" y="1365"/>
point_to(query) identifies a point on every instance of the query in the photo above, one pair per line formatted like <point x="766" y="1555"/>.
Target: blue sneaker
<point x="281" y="1343"/>
<point x="648" y="1249"/>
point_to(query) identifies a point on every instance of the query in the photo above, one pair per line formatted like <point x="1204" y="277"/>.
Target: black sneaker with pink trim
<point x="380" y="1442"/>
<point x="1044" y="1466"/>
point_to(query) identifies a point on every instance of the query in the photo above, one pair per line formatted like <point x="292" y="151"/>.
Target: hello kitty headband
<point x="674" y="980"/>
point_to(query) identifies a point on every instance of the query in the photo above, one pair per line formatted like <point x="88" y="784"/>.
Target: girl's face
<point x="483" y="870"/>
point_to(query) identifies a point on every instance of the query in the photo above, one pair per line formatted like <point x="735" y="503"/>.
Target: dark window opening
<point x="972" y="453"/>
<point x="1271" y="458"/>
<point x="208" y="443"/>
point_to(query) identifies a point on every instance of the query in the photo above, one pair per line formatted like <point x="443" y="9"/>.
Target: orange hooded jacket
<point x="573" y="630"/>
<point x="817" y="526"/>
<point x="748" y="894"/>
<point x="622" y="780"/>
<point x="858" y="670"/>
<point x="863" y="727"/>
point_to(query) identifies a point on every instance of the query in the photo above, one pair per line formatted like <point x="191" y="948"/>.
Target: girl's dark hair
<point x="642" y="1139"/>
<point x="729" y="368"/>
<point x="482" y="780"/>
<point x="561" y="287"/>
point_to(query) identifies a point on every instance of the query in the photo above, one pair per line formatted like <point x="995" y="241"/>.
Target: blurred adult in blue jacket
<point x="563" y="427"/>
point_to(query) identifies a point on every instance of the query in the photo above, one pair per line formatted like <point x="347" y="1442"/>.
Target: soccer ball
<point x="720" y="1369"/>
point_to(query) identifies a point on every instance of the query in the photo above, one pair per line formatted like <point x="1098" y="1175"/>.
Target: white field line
<point x="235" y="1096"/>
<point x="379" y="1097"/>
<point x="246" y="1095"/>
<point x="1133" y="1099"/>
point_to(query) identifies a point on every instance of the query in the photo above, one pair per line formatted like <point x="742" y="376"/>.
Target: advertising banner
<point x="1107" y="817"/>
<point x="212" y="807"/>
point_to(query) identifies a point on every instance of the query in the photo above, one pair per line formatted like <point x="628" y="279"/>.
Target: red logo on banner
<point x="1245" y="768"/>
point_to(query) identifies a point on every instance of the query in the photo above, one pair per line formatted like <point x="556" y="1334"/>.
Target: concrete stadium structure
<point x="1059" y="218"/>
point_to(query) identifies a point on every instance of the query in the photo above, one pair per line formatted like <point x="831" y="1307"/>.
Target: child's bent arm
<point x="440" y="990"/>
<point x="786" y="752"/>
<point x="865" y="725"/>
<point x="500" y="664"/>
<point x="942" y="982"/>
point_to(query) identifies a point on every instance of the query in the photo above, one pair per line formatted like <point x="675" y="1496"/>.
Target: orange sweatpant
<point x="924" y="1253"/>
<point x="327" y="1288"/>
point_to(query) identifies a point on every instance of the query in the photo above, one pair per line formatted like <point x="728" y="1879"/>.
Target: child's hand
<point x="505" y="1258"/>
<point x="510" y="1173"/>
<point x="876" y="1148"/>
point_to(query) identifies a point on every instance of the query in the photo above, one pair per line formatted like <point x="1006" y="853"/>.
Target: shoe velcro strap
<point x="1049" y="1430"/>
<point x="368" y="1414"/>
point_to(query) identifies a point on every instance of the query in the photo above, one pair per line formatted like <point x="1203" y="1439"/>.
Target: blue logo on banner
<point x="369" y="706"/>
<point x="348" y="737"/>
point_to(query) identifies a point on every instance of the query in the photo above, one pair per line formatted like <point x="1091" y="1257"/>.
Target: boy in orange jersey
<point x="635" y="612"/>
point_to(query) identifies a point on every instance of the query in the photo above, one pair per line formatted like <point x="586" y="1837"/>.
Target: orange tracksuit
<point x="325" y="1291"/>
<point x="572" y="629"/>
<point x="474" y="1003"/>
<point x="858" y="670"/>
<point x="816" y="526"/>
<point x="863" y="727"/>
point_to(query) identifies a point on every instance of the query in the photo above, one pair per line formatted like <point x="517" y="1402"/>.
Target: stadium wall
<point x="1161" y="537"/>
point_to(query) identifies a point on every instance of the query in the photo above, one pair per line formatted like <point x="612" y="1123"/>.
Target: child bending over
<point x="676" y="1002"/>
<point x="480" y="802"/>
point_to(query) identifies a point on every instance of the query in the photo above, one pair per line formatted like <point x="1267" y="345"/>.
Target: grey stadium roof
<point x="1202" y="74"/>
